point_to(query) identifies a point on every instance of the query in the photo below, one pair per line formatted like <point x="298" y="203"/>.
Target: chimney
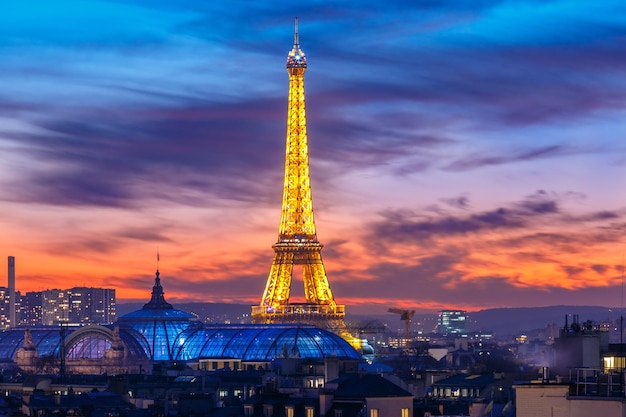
<point x="12" y="291"/>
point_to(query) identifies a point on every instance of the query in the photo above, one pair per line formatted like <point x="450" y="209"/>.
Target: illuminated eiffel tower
<point x="297" y="240"/>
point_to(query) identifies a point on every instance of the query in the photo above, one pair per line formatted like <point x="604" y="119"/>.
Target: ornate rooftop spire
<point x="157" y="302"/>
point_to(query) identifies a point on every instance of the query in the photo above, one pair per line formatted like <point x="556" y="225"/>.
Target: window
<point x="374" y="412"/>
<point x="268" y="410"/>
<point x="405" y="412"/>
<point x="289" y="411"/>
<point x="310" y="412"/>
<point x="248" y="410"/>
<point x="338" y="413"/>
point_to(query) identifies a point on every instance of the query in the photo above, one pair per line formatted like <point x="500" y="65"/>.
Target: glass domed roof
<point x="158" y="323"/>
<point x="260" y="342"/>
<point x="46" y="339"/>
<point x="171" y="334"/>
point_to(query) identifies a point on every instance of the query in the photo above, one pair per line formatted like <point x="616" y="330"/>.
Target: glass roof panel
<point x="189" y="339"/>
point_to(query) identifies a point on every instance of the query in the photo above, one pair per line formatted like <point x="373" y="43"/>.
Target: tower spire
<point x="296" y="57"/>
<point x="297" y="238"/>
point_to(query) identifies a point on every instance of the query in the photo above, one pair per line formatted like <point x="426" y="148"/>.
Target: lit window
<point x="289" y="411"/>
<point x="405" y="412"/>
<point x="374" y="412"/>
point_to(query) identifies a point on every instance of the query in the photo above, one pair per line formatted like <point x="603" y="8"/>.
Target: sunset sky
<point x="464" y="154"/>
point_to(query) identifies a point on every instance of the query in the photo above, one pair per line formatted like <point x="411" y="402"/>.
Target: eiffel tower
<point x="297" y="239"/>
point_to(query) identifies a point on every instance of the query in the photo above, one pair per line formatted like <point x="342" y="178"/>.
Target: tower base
<point x="322" y="316"/>
<point x="308" y="313"/>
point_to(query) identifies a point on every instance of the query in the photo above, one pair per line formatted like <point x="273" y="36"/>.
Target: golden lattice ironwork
<point x="297" y="239"/>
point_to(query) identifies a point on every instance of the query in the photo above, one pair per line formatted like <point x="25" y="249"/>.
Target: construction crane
<point x="405" y="315"/>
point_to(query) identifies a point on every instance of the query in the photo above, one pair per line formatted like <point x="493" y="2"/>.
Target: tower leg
<point x="278" y="285"/>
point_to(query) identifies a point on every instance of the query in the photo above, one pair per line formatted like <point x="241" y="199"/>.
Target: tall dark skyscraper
<point x="31" y="309"/>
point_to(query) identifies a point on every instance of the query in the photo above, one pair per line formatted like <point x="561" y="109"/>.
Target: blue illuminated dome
<point x="157" y="324"/>
<point x="171" y="334"/>
<point x="260" y="342"/>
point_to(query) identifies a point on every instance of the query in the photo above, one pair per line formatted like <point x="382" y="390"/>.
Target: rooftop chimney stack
<point x="12" y="291"/>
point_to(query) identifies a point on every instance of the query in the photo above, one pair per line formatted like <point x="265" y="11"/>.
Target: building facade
<point x="73" y="306"/>
<point x="452" y="322"/>
<point x="29" y="312"/>
<point x="6" y="308"/>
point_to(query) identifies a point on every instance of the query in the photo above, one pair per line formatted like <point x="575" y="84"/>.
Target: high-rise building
<point x="55" y="307"/>
<point x="78" y="305"/>
<point x="451" y="322"/>
<point x="91" y="305"/>
<point x="297" y="243"/>
<point x="30" y="309"/>
<point x="5" y="301"/>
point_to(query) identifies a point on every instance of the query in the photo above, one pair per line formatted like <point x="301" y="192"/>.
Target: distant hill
<point x="501" y="321"/>
<point x="515" y="320"/>
<point x="512" y="321"/>
<point x="206" y="312"/>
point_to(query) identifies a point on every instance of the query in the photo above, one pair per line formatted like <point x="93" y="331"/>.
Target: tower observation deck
<point x="297" y="239"/>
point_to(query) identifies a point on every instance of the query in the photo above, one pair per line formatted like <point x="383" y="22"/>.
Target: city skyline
<point x="462" y="156"/>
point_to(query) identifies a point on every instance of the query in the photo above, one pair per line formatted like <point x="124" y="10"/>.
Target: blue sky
<point x="470" y="153"/>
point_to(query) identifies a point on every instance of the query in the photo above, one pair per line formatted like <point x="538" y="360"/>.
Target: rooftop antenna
<point x="158" y="258"/>
<point x="295" y="33"/>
